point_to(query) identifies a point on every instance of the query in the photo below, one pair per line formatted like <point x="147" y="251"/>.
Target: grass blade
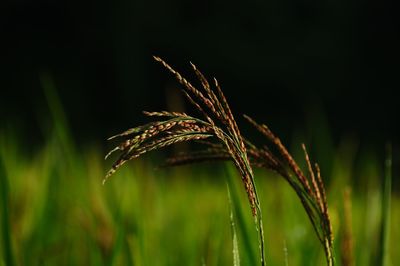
<point x="347" y="231"/>
<point x="248" y="244"/>
<point x="235" y="244"/>
<point x="5" y="221"/>
<point x="384" y="252"/>
<point x="58" y="115"/>
<point x="285" y="251"/>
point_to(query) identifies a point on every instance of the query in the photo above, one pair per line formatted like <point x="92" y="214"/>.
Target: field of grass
<point x="56" y="211"/>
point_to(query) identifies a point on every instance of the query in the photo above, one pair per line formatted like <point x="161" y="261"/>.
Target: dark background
<point x="291" y="64"/>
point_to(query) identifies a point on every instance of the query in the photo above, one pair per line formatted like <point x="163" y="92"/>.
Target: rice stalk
<point x="312" y="197"/>
<point x="218" y="123"/>
<point x="309" y="189"/>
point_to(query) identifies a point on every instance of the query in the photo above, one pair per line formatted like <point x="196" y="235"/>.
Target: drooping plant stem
<point x="219" y="132"/>
<point x="309" y="189"/>
<point x="218" y="123"/>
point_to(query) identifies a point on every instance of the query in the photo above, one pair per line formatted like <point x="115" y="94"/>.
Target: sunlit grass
<point x="147" y="216"/>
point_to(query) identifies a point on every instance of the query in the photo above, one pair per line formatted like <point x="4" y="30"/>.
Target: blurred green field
<point x="59" y="213"/>
<point x="55" y="211"/>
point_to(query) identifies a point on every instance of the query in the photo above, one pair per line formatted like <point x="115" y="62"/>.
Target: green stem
<point x="260" y="230"/>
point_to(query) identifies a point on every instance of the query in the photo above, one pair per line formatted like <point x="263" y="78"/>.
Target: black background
<point x="287" y="63"/>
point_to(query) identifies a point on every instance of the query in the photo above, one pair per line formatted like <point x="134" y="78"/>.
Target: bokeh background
<point x="76" y="72"/>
